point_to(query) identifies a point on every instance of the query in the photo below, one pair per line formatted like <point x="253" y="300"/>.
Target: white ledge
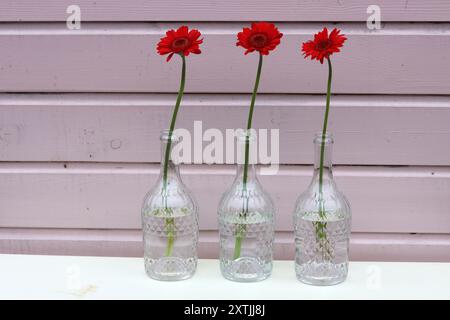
<point x="64" y="277"/>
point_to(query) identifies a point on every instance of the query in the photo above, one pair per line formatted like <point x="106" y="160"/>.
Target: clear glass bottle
<point x="322" y="220"/>
<point x="170" y="223"/>
<point x="246" y="226"/>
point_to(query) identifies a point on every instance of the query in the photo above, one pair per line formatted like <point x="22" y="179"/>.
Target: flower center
<point x="258" y="40"/>
<point x="180" y="43"/>
<point x="323" y="45"/>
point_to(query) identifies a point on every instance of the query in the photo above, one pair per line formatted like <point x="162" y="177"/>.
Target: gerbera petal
<point x="163" y="50"/>
<point x="169" y="33"/>
<point x="249" y="50"/>
<point x="193" y="35"/>
<point x="170" y="56"/>
<point x="197" y="42"/>
<point x="183" y="31"/>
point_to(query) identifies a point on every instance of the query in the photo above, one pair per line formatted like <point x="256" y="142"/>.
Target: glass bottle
<point x="246" y="226"/>
<point x="170" y="222"/>
<point x="322" y="220"/>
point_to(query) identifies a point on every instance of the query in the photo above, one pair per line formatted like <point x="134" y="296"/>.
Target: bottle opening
<point x="246" y="135"/>
<point x="166" y="136"/>
<point x="326" y="138"/>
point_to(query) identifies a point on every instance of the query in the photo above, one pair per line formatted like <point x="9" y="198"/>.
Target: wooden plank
<point x="128" y="243"/>
<point x="403" y="199"/>
<point x="374" y="130"/>
<point x="399" y="59"/>
<point x="231" y="10"/>
<point x="400" y="247"/>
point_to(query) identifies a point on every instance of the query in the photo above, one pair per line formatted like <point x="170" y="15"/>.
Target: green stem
<point x="169" y="222"/>
<point x="238" y="244"/>
<point x="250" y="119"/>
<point x="325" y="124"/>
<point x="240" y="234"/>
<point x="170" y="232"/>
<point x="321" y="226"/>
<point x="174" y="119"/>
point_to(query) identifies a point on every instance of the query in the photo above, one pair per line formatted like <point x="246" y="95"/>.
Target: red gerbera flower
<point x="181" y="41"/>
<point x="262" y="37"/>
<point x="323" y="45"/>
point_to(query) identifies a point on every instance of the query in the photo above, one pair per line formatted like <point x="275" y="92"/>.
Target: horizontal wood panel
<point x="399" y="59"/>
<point x="375" y="130"/>
<point x="230" y="10"/>
<point x="103" y="196"/>
<point x="128" y="243"/>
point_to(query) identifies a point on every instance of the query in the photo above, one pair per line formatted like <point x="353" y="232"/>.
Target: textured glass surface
<point x="246" y="226"/>
<point x="170" y="227"/>
<point x="322" y="221"/>
<point x="255" y="260"/>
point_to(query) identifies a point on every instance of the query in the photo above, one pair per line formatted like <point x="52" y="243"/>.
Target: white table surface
<point x="63" y="277"/>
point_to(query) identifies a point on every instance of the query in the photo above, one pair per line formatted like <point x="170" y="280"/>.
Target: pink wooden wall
<point x="77" y="160"/>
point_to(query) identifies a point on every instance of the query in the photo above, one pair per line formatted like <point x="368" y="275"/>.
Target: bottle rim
<point x="244" y="135"/>
<point x="326" y="138"/>
<point x="165" y="136"/>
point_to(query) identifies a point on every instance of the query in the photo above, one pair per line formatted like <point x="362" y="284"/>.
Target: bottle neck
<point x="169" y="168"/>
<point x="251" y="172"/>
<point x="247" y="153"/>
<point x="323" y="148"/>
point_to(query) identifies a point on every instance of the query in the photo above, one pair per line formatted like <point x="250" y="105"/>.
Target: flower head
<point x="323" y="45"/>
<point x="262" y="37"/>
<point x="181" y="41"/>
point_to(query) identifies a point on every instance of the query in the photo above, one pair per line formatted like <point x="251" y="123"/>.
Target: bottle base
<point x="320" y="281"/>
<point x="321" y="274"/>
<point x="245" y="269"/>
<point x="170" y="268"/>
